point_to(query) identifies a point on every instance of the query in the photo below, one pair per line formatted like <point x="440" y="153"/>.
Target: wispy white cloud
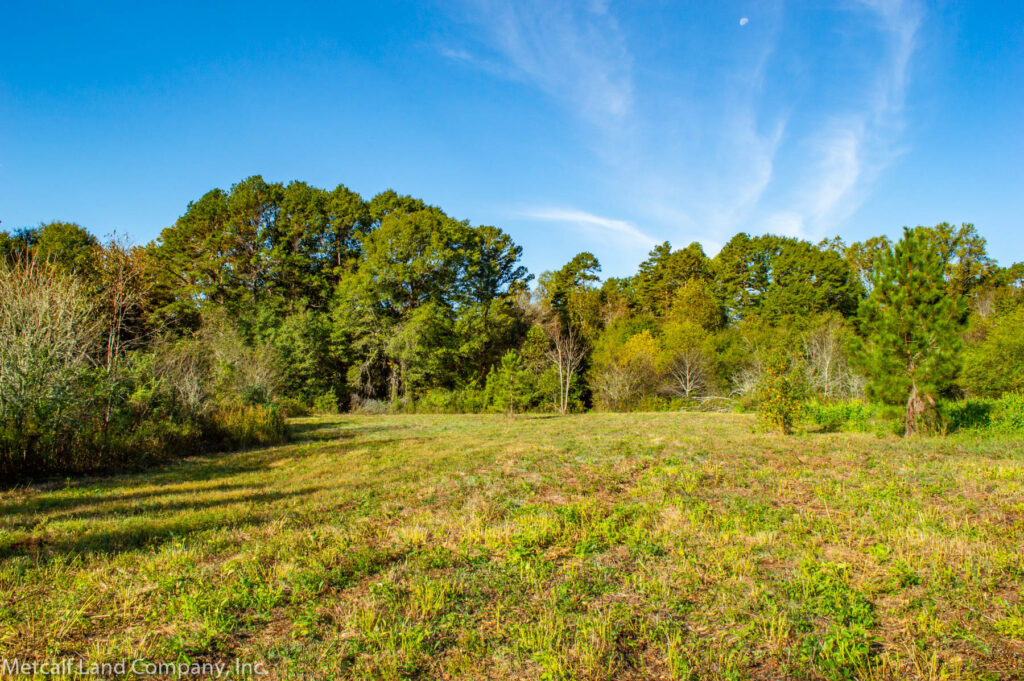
<point x="852" y="148"/>
<point x="714" y="183"/>
<point x="575" y="54"/>
<point x="455" y="53"/>
<point x="618" y="230"/>
<point x="753" y="137"/>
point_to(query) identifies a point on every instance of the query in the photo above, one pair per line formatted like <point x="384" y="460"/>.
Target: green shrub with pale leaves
<point x="779" y="397"/>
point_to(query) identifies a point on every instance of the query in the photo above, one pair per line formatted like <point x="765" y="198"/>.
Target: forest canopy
<point x="270" y="297"/>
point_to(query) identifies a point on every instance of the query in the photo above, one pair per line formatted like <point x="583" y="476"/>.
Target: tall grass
<point x="243" y="426"/>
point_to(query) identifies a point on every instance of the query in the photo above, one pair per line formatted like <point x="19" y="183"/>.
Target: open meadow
<point x="593" y="546"/>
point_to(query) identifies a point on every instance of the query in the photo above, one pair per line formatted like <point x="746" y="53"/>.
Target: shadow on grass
<point x="47" y="502"/>
<point x="118" y="507"/>
<point x="147" y="530"/>
<point x="176" y="477"/>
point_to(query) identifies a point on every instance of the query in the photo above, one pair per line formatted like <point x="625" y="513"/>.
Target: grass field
<point x="598" y="546"/>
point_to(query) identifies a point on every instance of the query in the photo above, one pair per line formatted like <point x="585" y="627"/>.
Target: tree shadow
<point x="126" y="508"/>
<point x="139" y="532"/>
<point x="46" y="502"/>
<point x="177" y="476"/>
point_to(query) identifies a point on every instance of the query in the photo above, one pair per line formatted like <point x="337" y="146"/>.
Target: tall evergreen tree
<point x="910" y="325"/>
<point x="665" y="271"/>
<point x="783" y="277"/>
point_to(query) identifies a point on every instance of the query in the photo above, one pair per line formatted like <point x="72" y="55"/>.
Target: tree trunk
<point x="915" y="407"/>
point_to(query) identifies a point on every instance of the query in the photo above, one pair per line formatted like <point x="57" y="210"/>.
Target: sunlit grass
<point x="599" y="546"/>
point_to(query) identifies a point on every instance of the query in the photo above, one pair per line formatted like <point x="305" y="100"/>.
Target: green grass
<point x="598" y="546"/>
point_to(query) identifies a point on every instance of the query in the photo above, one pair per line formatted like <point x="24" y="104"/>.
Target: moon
<point x="743" y="21"/>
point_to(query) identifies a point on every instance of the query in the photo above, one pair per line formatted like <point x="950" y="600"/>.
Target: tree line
<point x="273" y="298"/>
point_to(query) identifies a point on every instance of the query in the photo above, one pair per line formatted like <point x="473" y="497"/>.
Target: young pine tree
<point x="910" y="325"/>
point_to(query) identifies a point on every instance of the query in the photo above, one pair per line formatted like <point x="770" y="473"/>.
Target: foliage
<point x="661" y="278"/>
<point x="852" y="416"/>
<point x="844" y="649"/>
<point x="862" y="257"/>
<point x="306" y="357"/>
<point x="555" y="288"/>
<point x="1004" y="415"/>
<point x="780" y="394"/>
<point x="327" y="403"/>
<point x="994" y="363"/>
<point x="826" y="359"/>
<point x="566" y="354"/>
<point x="429" y="296"/>
<point x="79" y="392"/>
<point x="695" y="302"/>
<point x="910" y="326"/>
<point x="965" y="261"/>
<point x="525" y="380"/>
<point x="781" y="277"/>
<point x="628" y="372"/>
<point x="247" y="425"/>
<point x="51" y="390"/>
<point x="284" y="293"/>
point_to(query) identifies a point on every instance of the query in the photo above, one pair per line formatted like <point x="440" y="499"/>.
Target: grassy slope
<point x="596" y="546"/>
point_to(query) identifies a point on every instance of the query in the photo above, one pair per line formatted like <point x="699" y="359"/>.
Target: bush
<point x="326" y="403"/>
<point x="780" y="395"/>
<point x="49" y="333"/>
<point x="292" y="407"/>
<point x="1004" y="415"/>
<point x="242" y="426"/>
<point x="656" y="403"/>
<point x="625" y="374"/>
<point x="971" y="414"/>
<point x="1008" y="414"/>
<point x="853" y="416"/>
<point x="994" y="365"/>
<point x="438" y="401"/>
<point x="469" y="400"/>
<point x="367" y="406"/>
<point x="520" y="382"/>
<point x="68" y="404"/>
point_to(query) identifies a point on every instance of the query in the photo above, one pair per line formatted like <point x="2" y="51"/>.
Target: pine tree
<point x="910" y="326"/>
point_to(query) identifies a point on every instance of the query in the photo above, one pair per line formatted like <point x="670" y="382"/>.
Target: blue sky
<point x="599" y="126"/>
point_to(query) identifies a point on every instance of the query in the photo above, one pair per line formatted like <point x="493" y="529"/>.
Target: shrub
<point x="1004" y="415"/>
<point x="1008" y="414"/>
<point x="626" y="373"/>
<point x="49" y="332"/>
<point x="473" y="399"/>
<point x="368" y="406"/>
<point x="779" y="394"/>
<point x="994" y="365"/>
<point x="291" y="407"/>
<point x="852" y="416"/>
<point x="971" y="414"/>
<point x="309" y="365"/>
<point x="438" y="401"/>
<point x="241" y="426"/>
<point x="326" y="403"/>
<point x="519" y="383"/>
